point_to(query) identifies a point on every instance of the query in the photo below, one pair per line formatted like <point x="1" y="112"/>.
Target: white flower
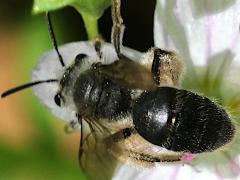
<point x="198" y="29"/>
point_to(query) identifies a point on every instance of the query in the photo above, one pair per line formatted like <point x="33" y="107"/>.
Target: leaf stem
<point x="91" y="25"/>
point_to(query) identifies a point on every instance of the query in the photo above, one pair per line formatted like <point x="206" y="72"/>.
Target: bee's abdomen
<point x="202" y="126"/>
<point x="180" y="120"/>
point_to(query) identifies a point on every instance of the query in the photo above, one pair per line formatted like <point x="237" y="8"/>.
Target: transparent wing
<point x="128" y="73"/>
<point x="106" y="148"/>
<point x="94" y="157"/>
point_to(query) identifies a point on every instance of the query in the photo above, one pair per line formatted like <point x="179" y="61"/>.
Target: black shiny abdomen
<point x="180" y="120"/>
<point x="97" y="97"/>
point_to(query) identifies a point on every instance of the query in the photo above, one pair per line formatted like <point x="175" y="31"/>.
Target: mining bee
<point x="127" y="109"/>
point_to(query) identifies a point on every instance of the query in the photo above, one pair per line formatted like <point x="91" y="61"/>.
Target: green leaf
<point x="91" y="11"/>
<point x="94" y="8"/>
<point x="40" y="6"/>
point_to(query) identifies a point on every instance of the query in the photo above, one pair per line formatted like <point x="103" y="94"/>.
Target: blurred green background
<point x="33" y="144"/>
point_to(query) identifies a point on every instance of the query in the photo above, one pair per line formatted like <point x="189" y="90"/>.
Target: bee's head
<point x="69" y="77"/>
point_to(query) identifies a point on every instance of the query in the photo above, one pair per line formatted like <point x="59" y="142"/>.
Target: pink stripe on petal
<point x="219" y="174"/>
<point x="233" y="164"/>
<point x="175" y="4"/>
<point x="235" y="167"/>
<point x="209" y="37"/>
<point x="176" y="12"/>
<point x="175" y="173"/>
<point x="209" y="27"/>
<point x="166" y="39"/>
<point x="235" y="40"/>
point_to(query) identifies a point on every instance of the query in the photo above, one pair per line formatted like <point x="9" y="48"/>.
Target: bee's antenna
<point x="24" y="86"/>
<point x="118" y="26"/>
<point x="52" y="35"/>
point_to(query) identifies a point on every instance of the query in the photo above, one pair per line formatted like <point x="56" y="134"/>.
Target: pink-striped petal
<point x="198" y="30"/>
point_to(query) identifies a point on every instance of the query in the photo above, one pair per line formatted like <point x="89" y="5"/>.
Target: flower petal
<point x="198" y="30"/>
<point x="202" y="31"/>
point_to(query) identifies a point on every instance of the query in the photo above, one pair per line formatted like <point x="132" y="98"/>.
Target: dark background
<point x="137" y="15"/>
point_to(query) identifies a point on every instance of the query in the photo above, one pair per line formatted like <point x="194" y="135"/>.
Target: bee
<point x="162" y="114"/>
<point x="127" y="109"/>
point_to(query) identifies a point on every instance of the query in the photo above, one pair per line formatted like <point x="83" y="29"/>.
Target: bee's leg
<point x="95" y="160"/>
<point x="118" y="26"/>
<point x="166" y="68"/>
<point x="81" y="136"/>
<point x="128" y="145"/>
<point x="98" y="47"/>
<point x="152" y="159"/>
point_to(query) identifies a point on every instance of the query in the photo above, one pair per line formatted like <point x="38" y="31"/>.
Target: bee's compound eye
<point x="57" y="99"/>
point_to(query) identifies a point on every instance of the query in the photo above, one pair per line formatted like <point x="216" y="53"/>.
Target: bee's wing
<point x="128" y="73"/>
<point x="94" y="157"/>
<point x="105" y="149"/>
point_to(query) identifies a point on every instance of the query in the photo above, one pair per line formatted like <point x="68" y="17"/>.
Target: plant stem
<point x="91" y="25"/>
